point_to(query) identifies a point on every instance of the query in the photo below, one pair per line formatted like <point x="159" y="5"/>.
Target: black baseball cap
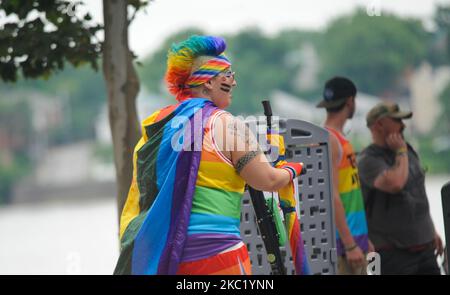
<point x="336" y="92"/>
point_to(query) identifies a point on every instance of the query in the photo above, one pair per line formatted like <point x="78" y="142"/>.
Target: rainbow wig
<point x="181" y="58"/>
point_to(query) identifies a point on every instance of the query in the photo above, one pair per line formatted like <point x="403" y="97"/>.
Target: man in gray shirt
<point x="393" y="185"/>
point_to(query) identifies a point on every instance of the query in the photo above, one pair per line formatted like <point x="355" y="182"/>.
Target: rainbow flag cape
<point x="155" y="218"/>
<point x="288" y="203"/>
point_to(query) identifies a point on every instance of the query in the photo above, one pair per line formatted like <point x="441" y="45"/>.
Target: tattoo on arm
<point x="243" y="134"/>
<point x="244" y="160"/>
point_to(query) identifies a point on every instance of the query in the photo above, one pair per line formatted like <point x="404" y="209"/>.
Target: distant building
<point x="309" y="66"/>
<point x="426" y="85"/>
<point x="45" y="113"/>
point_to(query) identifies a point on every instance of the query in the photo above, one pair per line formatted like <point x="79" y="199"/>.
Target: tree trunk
<point x="122" y="86"/>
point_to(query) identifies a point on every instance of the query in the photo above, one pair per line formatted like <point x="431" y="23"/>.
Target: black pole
<point x="445" y="194"/>
<point x="269" y="235"/>
<point x="267" y="113"/>
<point x="264" y="217"/>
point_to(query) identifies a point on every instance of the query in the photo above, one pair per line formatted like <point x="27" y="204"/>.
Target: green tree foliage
<point x="39" y="36"/>
<point x="435" y="146"/>
<point x="44" y="37"/>
<point x="444" y="125"/>
<point x="15" y="135"/>
<point x="442" y="20"/>
<point x="260" y="68"/>
<point x="438" y="52"/>
<point x="373" y="51"/>
<point x="260" y="63"/>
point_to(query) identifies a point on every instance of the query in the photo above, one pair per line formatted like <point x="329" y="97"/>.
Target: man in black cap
<point x="352" y="237"/>
<point x="393" y="184"/>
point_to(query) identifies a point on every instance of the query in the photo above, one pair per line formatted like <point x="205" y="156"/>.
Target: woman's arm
<point x="239" y="144"/>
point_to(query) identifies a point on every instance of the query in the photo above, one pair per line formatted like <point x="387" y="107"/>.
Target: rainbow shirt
<point x="216" y="205"/>
<point x="351" y="196"/>
<point x="183" y="205"/>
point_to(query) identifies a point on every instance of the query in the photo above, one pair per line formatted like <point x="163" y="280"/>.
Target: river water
<point x="81" y="237"/>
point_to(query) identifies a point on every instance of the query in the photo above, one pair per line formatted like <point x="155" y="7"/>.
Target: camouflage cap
<point x="386" y="109"/>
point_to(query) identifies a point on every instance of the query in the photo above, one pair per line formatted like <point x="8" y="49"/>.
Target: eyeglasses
<point x="228" y="73"/>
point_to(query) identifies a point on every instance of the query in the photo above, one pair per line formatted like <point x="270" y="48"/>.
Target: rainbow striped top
<point x="351" y="196"/>
<point x="216" y="205"/>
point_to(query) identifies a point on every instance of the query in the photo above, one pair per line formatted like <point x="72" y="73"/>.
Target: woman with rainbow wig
<point x="191" y="165"/>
